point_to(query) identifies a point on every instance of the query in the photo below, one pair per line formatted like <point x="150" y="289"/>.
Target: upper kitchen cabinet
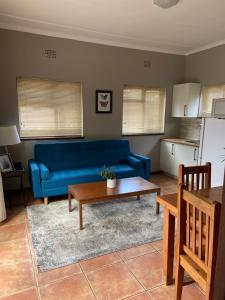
<point x="186" y="98"/>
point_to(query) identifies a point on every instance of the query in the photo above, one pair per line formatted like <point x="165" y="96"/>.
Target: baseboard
<point x="156" y="172"/>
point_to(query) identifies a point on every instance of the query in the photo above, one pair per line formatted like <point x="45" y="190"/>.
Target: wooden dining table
<point x="169" y="202"/>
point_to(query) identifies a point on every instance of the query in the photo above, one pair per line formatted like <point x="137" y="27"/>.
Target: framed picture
<point x="6" y="164"/>
<point x="103" y="101"/>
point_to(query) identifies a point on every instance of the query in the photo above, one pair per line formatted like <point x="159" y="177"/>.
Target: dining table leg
<point x="168" y="246"/>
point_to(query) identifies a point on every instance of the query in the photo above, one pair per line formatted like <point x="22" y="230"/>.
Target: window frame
<point x="164" y="118"/>
<point x="50" y="137"/>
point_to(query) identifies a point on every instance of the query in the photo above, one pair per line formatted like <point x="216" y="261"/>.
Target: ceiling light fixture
<point x="165" y="3"/>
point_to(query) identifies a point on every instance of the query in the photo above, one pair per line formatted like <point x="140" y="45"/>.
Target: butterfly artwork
<point x="103" y="101"/>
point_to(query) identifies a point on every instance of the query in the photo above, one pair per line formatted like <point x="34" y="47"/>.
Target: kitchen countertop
<point x="180" y="141"/>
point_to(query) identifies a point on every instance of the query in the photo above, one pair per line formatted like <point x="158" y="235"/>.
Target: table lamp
<point x="9" y="136"/>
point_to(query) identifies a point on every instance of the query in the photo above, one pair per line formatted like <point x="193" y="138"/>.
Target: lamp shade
<point x="9" y="135"/>
<point x="165" y="3"/>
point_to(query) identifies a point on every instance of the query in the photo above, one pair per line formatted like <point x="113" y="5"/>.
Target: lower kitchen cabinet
<point x="172" y="155"/>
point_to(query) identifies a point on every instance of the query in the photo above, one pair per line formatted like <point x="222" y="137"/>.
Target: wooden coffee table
<point x="86" y="193"/>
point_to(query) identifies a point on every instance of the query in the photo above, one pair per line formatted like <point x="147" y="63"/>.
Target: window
<point x="143" y="110"/>
<point x="209" y="93"/>
<point x="49" y="108"/>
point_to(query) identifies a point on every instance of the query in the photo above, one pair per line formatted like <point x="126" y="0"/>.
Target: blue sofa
<point x="57" y="165"/>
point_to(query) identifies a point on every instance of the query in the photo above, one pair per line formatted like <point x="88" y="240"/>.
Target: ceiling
<point x="190" y="26"/>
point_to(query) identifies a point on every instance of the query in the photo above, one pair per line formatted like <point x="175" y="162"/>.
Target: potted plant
<point x="108" y="174"/>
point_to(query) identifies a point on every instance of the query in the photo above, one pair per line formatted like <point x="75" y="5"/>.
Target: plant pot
<point x="111" y="183"/>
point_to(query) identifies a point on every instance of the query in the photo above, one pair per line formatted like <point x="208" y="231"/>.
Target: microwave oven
<point x="218" y="108"/>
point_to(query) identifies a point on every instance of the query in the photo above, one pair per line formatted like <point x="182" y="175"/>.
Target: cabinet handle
<point x="185" y="110"/>
<point x="172" y="148"/>
<point x="195" y="151"/>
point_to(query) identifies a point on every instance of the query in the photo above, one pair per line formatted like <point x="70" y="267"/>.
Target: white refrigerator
<point x="212" y="144"/>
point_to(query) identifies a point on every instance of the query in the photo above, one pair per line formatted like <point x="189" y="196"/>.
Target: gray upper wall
<point x="206" y="67"/>
<point x="96" y="67"/>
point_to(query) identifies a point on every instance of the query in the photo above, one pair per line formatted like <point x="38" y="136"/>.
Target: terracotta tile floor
<point x="134" y="274"/>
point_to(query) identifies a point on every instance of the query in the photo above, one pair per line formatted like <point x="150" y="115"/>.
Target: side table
<point x="18" y="172"/>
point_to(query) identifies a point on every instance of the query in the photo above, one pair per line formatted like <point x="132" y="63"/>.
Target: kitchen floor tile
<point x="99" y="262"/>
<point x="114" y="282"/>
<point x="52" y="275"/>
<point x="158" y="245"/>
<point x="12" y="232"/>
<point x="30" y="294"/>
<point x="168" y="293"/>
<point x="16" y="277"/>
<point x="136" y="251"/>
<point x="72" y="288"/>
<point x="148" y="269"/>
<point x="14" y="251"/>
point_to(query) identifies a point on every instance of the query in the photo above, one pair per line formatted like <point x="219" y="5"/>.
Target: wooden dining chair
<point x="198" y="222"/>
<point x="195" y="177"/>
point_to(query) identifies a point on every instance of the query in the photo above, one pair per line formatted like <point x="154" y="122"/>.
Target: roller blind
<point x="49" y="108"/>
<point x="143" y="110"/>
<point x="209" y="93"/>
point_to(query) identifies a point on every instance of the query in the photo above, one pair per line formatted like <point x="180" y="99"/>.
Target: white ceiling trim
<point x="86" y="35"/>
<point x="209" y="46"/>
<point x="81" y="34"/>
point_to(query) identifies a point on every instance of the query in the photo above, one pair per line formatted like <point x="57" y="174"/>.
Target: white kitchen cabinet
<point x="167" y="157"/>
<point x="172" y="155"/>
<point x="186" y="99"/>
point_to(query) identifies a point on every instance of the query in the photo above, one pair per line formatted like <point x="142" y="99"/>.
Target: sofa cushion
<point x="44" y="171"/>
<point x="72" y="176"/>
<point x="134" y="162"/>
<point x="81" y="154"/>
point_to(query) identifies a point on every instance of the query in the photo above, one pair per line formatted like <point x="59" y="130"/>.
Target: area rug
<point x="108" y="227"/>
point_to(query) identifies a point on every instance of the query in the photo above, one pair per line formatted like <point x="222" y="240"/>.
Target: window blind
<point x="143" y="110"/>
<point x="49" y="108"/>
<point x="209" y="93"/>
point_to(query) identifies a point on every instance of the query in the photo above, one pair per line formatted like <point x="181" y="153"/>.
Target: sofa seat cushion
<point x="62" y="178"/>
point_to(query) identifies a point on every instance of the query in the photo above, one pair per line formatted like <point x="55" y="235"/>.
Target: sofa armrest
<point x="44" y="171"/>
<point x="35" y="179"/>
<point x="134" y="162"/>
<point x="147" y="163"/>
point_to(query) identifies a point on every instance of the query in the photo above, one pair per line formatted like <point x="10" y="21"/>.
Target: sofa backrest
<point x="78" y="154"/>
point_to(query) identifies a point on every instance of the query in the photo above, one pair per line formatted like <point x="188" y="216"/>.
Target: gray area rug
<point x="109" y="226"/>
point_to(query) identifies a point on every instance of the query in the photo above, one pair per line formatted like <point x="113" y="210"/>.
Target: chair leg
<point x="209" y="291"/>
<point x="157" y="209"/>
<point x="46" y="200"/>
<point x="179" y="281"/>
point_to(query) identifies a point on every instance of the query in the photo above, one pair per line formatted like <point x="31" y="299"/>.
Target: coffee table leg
<point x="157" y="209"/>
<point x="80" y="216"/>
<point x="69" y="199"/>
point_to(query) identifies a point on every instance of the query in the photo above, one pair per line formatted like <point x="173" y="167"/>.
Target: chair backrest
<point x="195" y="177"/>
<point x="197" y="224"/>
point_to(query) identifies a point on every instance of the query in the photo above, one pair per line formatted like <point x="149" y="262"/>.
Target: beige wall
<point x="97" y="67"/>
<point x="206" y="67"/>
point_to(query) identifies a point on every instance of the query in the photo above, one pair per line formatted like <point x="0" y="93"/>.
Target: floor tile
<point x="12" y="232"/>
<point x="167" y="293"/>
<point x="49" y="276"/>
<point x="14" y="278"/>
<point x="114" y="282"/>
<point x="14" y="216"/>
<point x="135" y="251"/>
<point x="99" y="262"/>
<point x="30" y="294"/>
<point x="142" y="296"/>
<point x="72" y="288"/>
<point x="148" y="269"/>
<point x="15" y="251"/>
<point x="192" y="292"/>
<point x="158" y="245"/>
